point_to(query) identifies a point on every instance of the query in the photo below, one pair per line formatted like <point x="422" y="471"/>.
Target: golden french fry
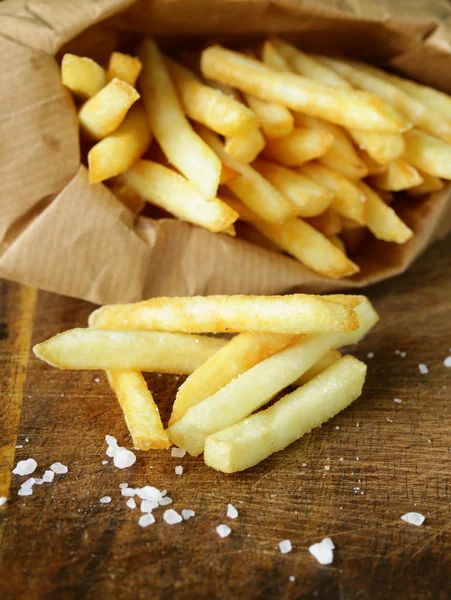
<point x="246" y="147"/>
<point x="430" y="184"/>
<point x="273" y="59"/>
<point x="326" y="361"/>
<point x="242" y="352"/>
<point x="299" y="146"/>
<point x="348" y="200"/>
<point x="121" y="149"/>
<point x="296" y="313"/>
<point x="373" y="167"/>
<point x="256" y="386"/>
<point x="428" y="153"/>
<point x="381" y="147"/>
<point x="309" y="198"/>
<point x="328" y="223"/>
<point x="276" y="120"/>
<point x="337" y="242"/>
<point x="125" y="67"/>
<point x="252" y="189"/>
<point x="140" y="411"/>
<point x="230" y="230"/>
<point x="171" y="191"/>
<point x="382" y="220"/>
<point x="152" y="351"/>
<point x="398" y="176"/>
<point x="82" y="75"/>
<point x="250" y="441"/>
<point x="210" y="106"/>
<point x="103" y="113"/>
<point x="228" y="174"/>
<point x="344" y="107"/>
<point x="182" y="146"/>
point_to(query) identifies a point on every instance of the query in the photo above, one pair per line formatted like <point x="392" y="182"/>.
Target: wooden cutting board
<point x="351" y="480"/>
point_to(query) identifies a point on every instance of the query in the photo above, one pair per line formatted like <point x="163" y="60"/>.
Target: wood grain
<point x="62" y="543"/>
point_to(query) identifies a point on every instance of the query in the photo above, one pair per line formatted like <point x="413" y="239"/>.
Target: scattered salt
<point x="131" y="503"/>
<point x="337" y="427"/>
<point x="171" y="516"/>
<point x="146" y="520"/>
<point x="2" y="500"/>
<point x="341" y="459"/>
<point x="148" y="492"/>
<point x="128" y="492"/>
<point x="110" y="451"/>
<point x="423" y="369"/>
<point x="96" y="379"/>
<point x="447" y="361"/>
<point x="285" y="546"/>
<point x="105" y="500"/>
<point x="232" y="512"/>
<point x="177" y="452"/>
<point x="178" y="470"/>
<point x="357" y="458"/>
<point x="165" y="501"/>
<point x="123" y="458"/>
<point x="59" y="468"/>
<point x="48" y="476"/>
<point x="413" y="518"/>
<point x="19" y="446"/>
<point x="327" y="467"/>
<point x="397" y="351"/>
<point x="223" y="530"/>
<point x="403" y="354"/>
<point x="104" y="462"/>
<point x="26" y="489"/>
<point x="397" y="400"/>
<point x="148" y="505"/>
<point x="187" y="513"/>
<point x="123" y="485"/>
<point x="292" y="578"/>
<point x="39" y="481"/>
<point x="25" y="467"/>
<point x="370" y="355"/>
<point x="323" y="551"/>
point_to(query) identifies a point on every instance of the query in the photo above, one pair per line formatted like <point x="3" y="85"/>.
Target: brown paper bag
<point x="60" y="233"/>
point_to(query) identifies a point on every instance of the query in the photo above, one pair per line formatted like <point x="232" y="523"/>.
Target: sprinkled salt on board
<point x="96" y="379"/>
<point x="19" y="446"/>
<point x="3" y="499"/>
<point x="447" y="361"/>
<point x="104" y="462"/>
<point x="123" y="458"/>
<point x="323" y="551"/>
<point x="370" y="355"/>
<point x="172" y="517"/>
<point x="397" y="400"/>
<point x="128" y="492"/>
<point x="178" y="470"/>
<point x="26" y="489"/>
<point x="423" y="369"/>
<point x="105" y="500"/>
<point x="292" y="578"/>
<point x="48" y="476"/>
<point x="146" y="520"/>
<point x="187" y="513"/>
<point x="223" y="530"/>
<point x="413" y="518"/>
<point x="165" y="501"/>
<point x="177" y="452"/>
<point x="25" y="467"/>
<point x="232" y="512"/>
<point x="285" y="546"/>
<point x="59" y="468"/>
<point x="123" y="485"/>
<point x="148" y="505"/>
<point x="148" y="492"/>
<point x="131" y="503"/>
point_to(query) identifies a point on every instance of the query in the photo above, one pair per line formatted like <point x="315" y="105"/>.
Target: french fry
<point x="272" y="58"/>
<point x="327" y="360"/>
<point x="93" y="349"/>
<point x="252" y="189"/>
<point x="398" y="176"/>
<point x="140" y="411"/>
<point x="373" y="167"/>
<point x="171" y="191"/>
<point x="344" y="107"/>
<point x="246" y="147"/>
<point x="348" y="200"/>
<point x="121" y="149"/>
<point x="228" y="174"/>
<point x="381" y="147"/>
<point x="256" y="386"/>
<point x="250" y="441"/>
<point x="125" y="67"/>
<point x="382" y="220"/>
<point x="328" y="223"/>
<point x="309" y="198"/>
<point x="428" y="153"/>
<point x="210" y="106"/>
<point x="242" y="352"/>
<point x="230" y="230"/>
<point x="299" y="146"/>
<point x="82" y="75"/>
<point x="104" y="112"/>
<point x="182" y="146"/>
<point x="297" y="313"/>
<point x="276" y="120"/>
<point x="337" y="242"/>
<point x="430" y="184"/>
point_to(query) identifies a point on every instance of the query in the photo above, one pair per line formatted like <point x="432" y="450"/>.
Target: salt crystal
<point x="19" y="446"/>
<point x="337" y="427"/>
<point x="25" y="467"/>
<point x="403" y="354"/>
<point x="326" y="467"/>
<point x="397" y="352"/>
<point x="223" y="530"/>
<point x="59" y="468"/>
<point x="26" y="489"/>
<point x="3" y="499"/>
<point x="323" y="551"/>
<point x="357" y="458"/>
<point x="123" y="458"/>
<point x="171" y="516"/>
<point x="285" y="546"/>
<point x="111" y="441"/>
<point x="397" y="400"/>
<point x="48" y="476"/>
<point x="128" y="492"/>
<point x="39" y="481"/>
<point x="131" y="503"/>
<point x="163" y="493"/>
<point x="232" y="512"/>
<point x="165" y="501"/>
<point x="110" y="451"/>
<point x="177" y="452"/>
<point x="292" y="578"/>
<point x="447" y="361"/>
<point x="147" y="519"/>
<point x="148" y="492"/>
<point x="123" y="485"/>
<point x="178" y="470"/>
<point x="148" y="505"/>
<point x="96" y="379"/>
<point x="413" y="518"/>
<point x="370" y="355"/>
<point x="341" y="459"/>
<point x="423" y="369"/>
<point x="187" y="513"/>
<point x="105" y="500"/>
<point x="104" y="462"/>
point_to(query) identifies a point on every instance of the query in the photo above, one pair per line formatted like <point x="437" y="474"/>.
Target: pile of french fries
<point x="307" y="149"/>
<point x="280" y="341"/>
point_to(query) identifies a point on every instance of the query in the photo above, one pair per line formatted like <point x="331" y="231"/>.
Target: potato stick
<point x="228" y="174"/>
<point x="344" y="107"/>
<point x="103" y="113"/>
<point x="244" y="213"/>
<point x="299" y="147"/>
<point x="250" y="441"/>
<point x="171" y="191"/>
<point x="353" y="238"/>
<point x="253" y="189"/>
<point x="296" y="313"/>
<point x="382" y="220"/>
<point x="430" y="184"/>
<point x="373" y="167"/>
<point x="348" y="200"/>
<point x="327" y="360"/>
<point x="273" y="59"/>
<point x="121" y="149"/>
<point x="125" y="67"/>
<point x="381" y="147"/>
<point x="210" y="106"/>
<point x="255" y="387"/>
<point x="428" y="153"/>
<point x="276" y="120"/>
<point x="328" y="223"/>
<point x="140" y="411"/>
<point x="337" y="242"/>
<point x="182" y="146"/>
<point x="152" y="351"/>
<point x="246" y="147"/>
<point x="399" y="176"/>
<point x="82" y="75"/>
<point x="309" y="198"/>
<point x="242" y="352"/>
<point x="230" y="230"/>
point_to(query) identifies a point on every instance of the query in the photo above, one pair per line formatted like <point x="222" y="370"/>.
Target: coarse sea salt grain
<point x="123" y="458"/>
<point x="370" y="355"/>
<point x="105" y="500"/>
<point x="178" y="470"/>
<point x="187" y="513"/>
<point x="413" y="518"/>
<point x="148" y="492"/>
<point x="128" y="492"/>
<point x="3" y="499"/>
<point x="104" y="462"/>
<point x="177" y="452"/>
<point x="171" y="516"/>
<point x="292" y="578"/>
<point x="285" y="546"/>
<point x="447" y="361"/>
<point x="25" y="467"/>
<point x="323" y="551"/>
<point x="59" y="468"/>
<point x="148" y="505"/>
<point x="397" y="400"/>
<point x="423" y="369"/>
<point x="111" y="441"/>
<point x="123" y="485"/>
<point x="48" y="476"/>
<point x="146" y="520"/>
<point x="131" y="503"/>
<point x="232" y="512"/>
<point x="165" y="501"/>
<point x="223" y="530"/>
<point x="26" y="489"/>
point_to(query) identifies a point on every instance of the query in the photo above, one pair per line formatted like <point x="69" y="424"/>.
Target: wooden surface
<point x="62" y="543"/>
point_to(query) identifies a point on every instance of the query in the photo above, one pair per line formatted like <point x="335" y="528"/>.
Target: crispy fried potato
<point x="299" y="146"/>
<point x="398" y="176"/>
<point x="428" y="153"/>
<point x="373" y="167"/>
<point x="381" y="147"/>
<point x="82" y="75"/>
<point x="125" y="67"/>
<point x="228" y="174"/>
<point x="276" y="120"/>
<point x="430" y="184"/>
<point x="327" y="360"/>
<point x="328" y="222"/>
<point x="337" y="242"/>
<point x="246" y="147"/>
<point x="273" y="59"/>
